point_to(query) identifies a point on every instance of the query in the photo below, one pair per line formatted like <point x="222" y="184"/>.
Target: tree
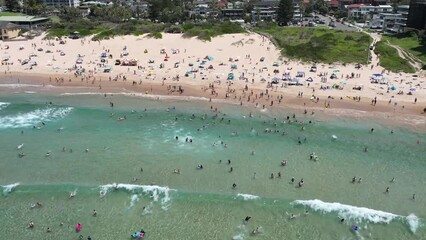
<point x="308" y="8"/>
<point x="321" y="6"/>
<point x="285" y="12"/>
<point x="12" y="5"/>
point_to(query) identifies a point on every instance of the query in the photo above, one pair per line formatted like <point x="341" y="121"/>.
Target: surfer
<point x="387" y="190"/>
<point x="94" y="213"/>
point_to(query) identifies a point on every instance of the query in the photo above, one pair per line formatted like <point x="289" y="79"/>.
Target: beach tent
<point x="275" y="80"/>
<point x="79" y="61"/>
<point x="300" y="74"/>
<point x="233" y="66"/>
<point x="125" y="53"/>
<point x="313" y="68"/>
<point x="210" y="58"/>
<point x="107" y="69"/>
<point x="333" y="76"/>
<point x="377" y="76"/>
<point x="104" y="55"/>
<point x="309" y="79"/>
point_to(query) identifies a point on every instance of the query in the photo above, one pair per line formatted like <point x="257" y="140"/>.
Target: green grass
<point x="319" y="44"/>
<point x="207" y="31"/>
<point x="390" y="60"/>
<point x="7" y="14"/>
<point x="105" y="30"/>
<point x="409" y="42"/>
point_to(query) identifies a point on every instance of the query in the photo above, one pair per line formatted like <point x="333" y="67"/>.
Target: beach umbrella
<point x="393" y="88"/>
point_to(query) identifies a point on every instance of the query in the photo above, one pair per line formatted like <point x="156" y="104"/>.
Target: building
<point x="233" y="11"/>
<point x="297" y="14"/>
<point x="60" y="3"/>
<point x="388" y="23"/>
<point x="265" y="10"/>
<point x="343" y="3"/>
<point x="9" y="30"/>
<point x="417" y="14"/>
<point x="27" y="22"/>
<point x="361" y="10"/>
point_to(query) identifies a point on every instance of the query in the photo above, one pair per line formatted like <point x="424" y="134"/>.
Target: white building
<point x="59" y="3"/>
<point x="361" y="10"/>
<point x="388" y="23"/>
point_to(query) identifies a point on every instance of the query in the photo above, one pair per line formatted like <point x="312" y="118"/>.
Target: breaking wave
<point x="246" y="197"/>
<point x="9" y="188"/>
<point x="358" y="213"/>
<point x="4" y="105"/>
<point x="34" y="117"/>
<point x="157" y="193"/>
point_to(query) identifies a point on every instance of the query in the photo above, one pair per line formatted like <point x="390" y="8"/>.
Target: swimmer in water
<point x="31" y="225"/>
<point x="234" y="186"/>
<point x="247" y="219"/>
<point x="177" y="171"/>
<point x="94" y="213"/>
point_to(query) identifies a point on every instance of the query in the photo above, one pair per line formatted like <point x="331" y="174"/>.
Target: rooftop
<point x="8" y="25"/>
<point x="22" y="19"/>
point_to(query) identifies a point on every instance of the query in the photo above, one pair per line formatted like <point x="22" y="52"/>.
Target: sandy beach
<point x="202" y="69"/>
<point x="174" y="148"/>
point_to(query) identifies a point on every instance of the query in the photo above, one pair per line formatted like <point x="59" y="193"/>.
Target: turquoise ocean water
<point x="202" y="204"/>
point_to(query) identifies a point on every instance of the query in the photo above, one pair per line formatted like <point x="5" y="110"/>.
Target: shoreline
<point x="410" y="117"/>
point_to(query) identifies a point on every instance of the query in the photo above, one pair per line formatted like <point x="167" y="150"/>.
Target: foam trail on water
<point x="359" y="213"/>
<point x="34" y="117"/>
<point x="157" y="193"/>
<point x="9" y="188"/>
<point x="246" y="197"/>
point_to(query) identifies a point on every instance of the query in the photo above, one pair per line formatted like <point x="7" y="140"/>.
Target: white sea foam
<point x="246" y="197"/>
<point x="413" y="221"/>
<point x="11" y="85"/>
<point x="241" y="233"/>
<point x="4" y="105"/>
<point x="34" y="117"/>
<point x="148" y="96"/>
<point x="359" y="213"/>
<point x="134" y="199"/>
<point x="157" y="193"/>
<point x="9" y="188"/>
